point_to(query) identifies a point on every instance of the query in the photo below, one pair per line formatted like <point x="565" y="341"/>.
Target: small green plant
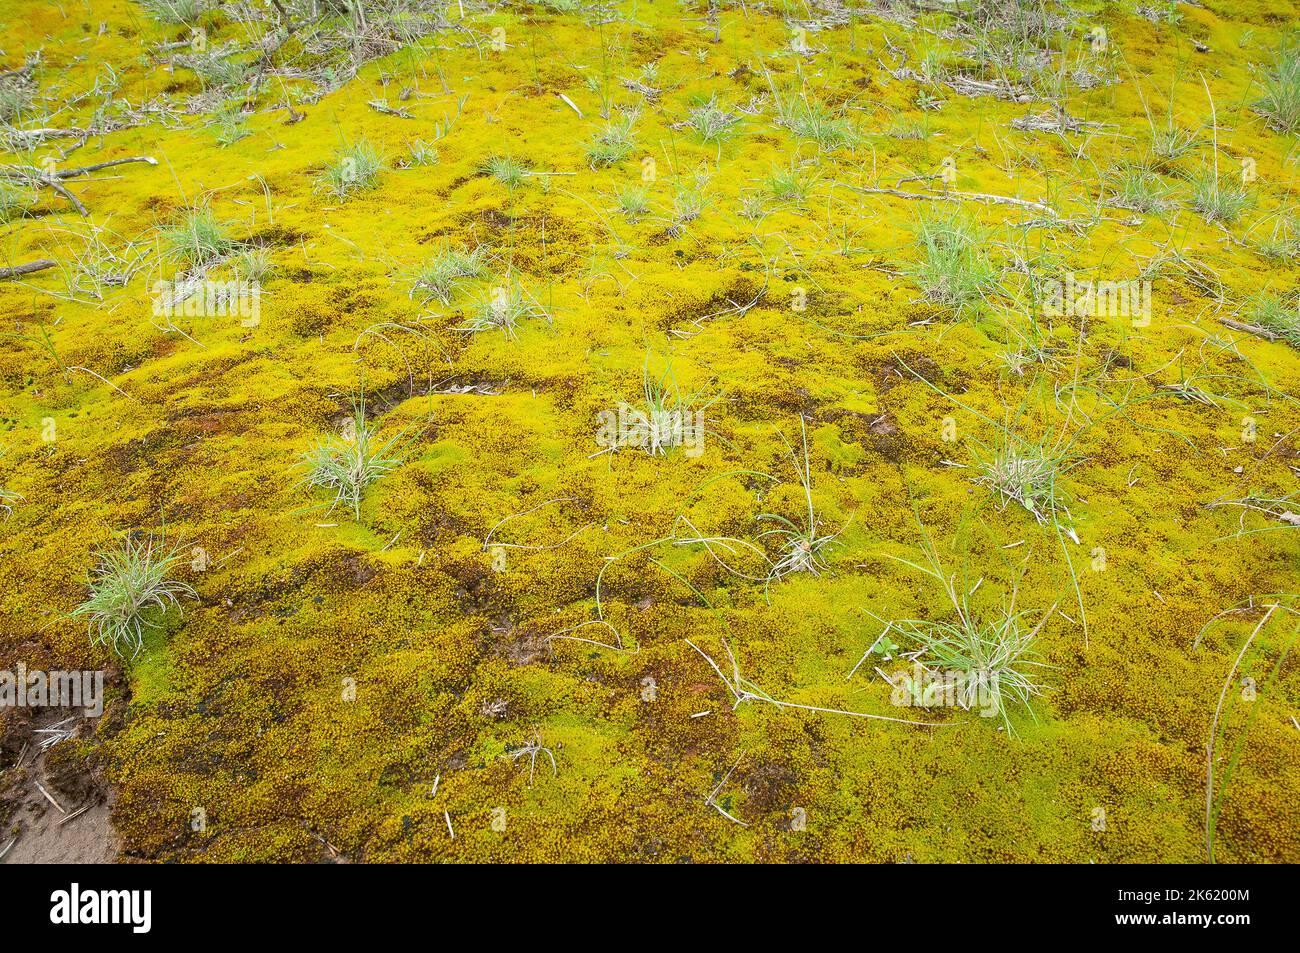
<point x="994" y="656"/>
<point x="1218" y="201"/>
<point x="664" y="419"/>
<point x="508" y="171"/>
<point x="954" y="270"/>
<point x="253" y="264"/>
<point x="613" y="144"/>
<point x="7" y="500"/>
<point x="504" y="309"/>
<point x="1169" y="145"/>
<point x="689" y="199"/>
<point x="346" y="465"/>
<point x="356" y="168"/>
<point x="175" y="11"/>
<point x="130" y="585"/>
<point x="438" y="277"/>
<point x="633" y="202"/>
<point x="712" y="124"/>
<point x="1023" y="471"/>
<point x="422" y="153"/>
<point x="792" y="184"/>
<point x="1281" y="101"/>
<point x="15" y="100"/>
<point x="1281" y="243"/>
<point x="801" y="548"/>
<point x="910" y="127"/>
<point x="1276" y="316"/>
<point x="197" y="240"/>
<point x="809" y="118"/>
<point x="219" y="70"/>
<point x="14" y="201"/>
<point x="230" y="125"/>
<point x="1140" y="189"/>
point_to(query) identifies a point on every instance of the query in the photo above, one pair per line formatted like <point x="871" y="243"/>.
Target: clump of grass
<point x="230" y="125"/>
<point x="633" y="202"/>
<point x="664" y="419"/>
<point x="801" y="548"/>
<point x="504" y="309"/>
<point x="347" y="465"/>
<point x="811" y="119"/>
<point x="712" y="124"/>
<point x="253" y="264"/>
<point x="1170" y="144"/>
<point x="438" y="277"/>
<point x="218" y="71"/>
<point x="1281" y="101"/>
<point x="100" y="264"/>
<point x="129" y="585"/>
<point x="1218" y="201"/>
<point x="14" y="201"/>
<point x="422" y="153"/>
<point x="506" y="170"/>
<point x="995" y="655"/>
<point x="1024" y="472"/>
<point x="15" y="100"/>
<point x="175" y="11"/>
<point x="689" y="200"/>
<point x="1280" y="244"/>
<point x="613" y="144"/>
<point x="909" y="127"/>
<point x="954" y="270"/>
<point x="792" y="184"/>
<point x="196" y="240"/>
<point x="1279" y="317"/>
<point x="356" y="168"/>
<point x="1139" y="189"/>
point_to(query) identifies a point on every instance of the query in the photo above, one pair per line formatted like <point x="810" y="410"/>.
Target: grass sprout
<point x="954" y="270"/>
<point x="356" y="168"/>
<point x="1218" y="201"/>
<point x="129" y="585"/>
<point x="801" y="548"/>
<point x="506" y="170"/>
<point x="504" y="309"/>
<point x="1281" y="100"/>
<point x="712" y="124"/>
<point x="439" y="276"/>
<point x="613" y="144"/>
<point x="347" y="464"/>
<point x="198" y="239"/>
<point x="1023" y="472"/>
<point x="994" y="655"/>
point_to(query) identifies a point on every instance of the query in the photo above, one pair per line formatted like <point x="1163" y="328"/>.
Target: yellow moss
<point x="333" y="669"/>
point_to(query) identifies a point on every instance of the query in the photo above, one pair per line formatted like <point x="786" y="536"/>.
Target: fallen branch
<point x="17" y="271"/>
<point x="984" y="197"/>
<point x="387" y="110"/>
<point x="1264" y="333"/>
<point x="36" y="178"/>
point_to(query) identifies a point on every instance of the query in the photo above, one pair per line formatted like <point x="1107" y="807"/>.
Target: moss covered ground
<point x="360" y="688"/>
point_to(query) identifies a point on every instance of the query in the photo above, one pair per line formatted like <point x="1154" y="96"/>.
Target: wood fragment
<point x="17" y="271"/>
<point x="1264" y="333"/>
<point x="49" y="797"/>
<point x="986" y="198"/>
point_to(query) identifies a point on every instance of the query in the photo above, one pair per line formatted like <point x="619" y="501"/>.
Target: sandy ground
<point x="39" y="832"/>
